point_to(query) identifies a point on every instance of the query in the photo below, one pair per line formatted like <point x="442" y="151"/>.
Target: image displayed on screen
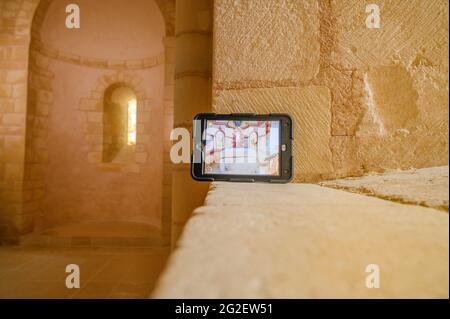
<point x="242" y="147"/>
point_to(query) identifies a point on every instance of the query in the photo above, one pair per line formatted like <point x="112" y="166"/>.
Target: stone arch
<point x="167" y="8"/>
<point x="219" y="140"/>
<point x="93" y="106"/>
<point x="253" y="139"/>
<point x="119" y="123"/>
<point x="16" y="16"/>
<point x="24" y="11"/>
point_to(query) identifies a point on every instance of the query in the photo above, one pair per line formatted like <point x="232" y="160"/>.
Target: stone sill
<point x="306" y="241"/>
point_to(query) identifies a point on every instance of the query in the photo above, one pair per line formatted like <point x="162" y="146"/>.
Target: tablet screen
<point x="241" y="147"/>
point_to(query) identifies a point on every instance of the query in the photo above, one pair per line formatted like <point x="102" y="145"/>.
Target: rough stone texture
<point x="306" y="241"/>
<point x="311" y="114"/>
<point x="404" y="67"/>
<point x="388" y="86"/>
<point x="406" y="123"/>
<point x="411" y="31"/>
<point x="277" y="38"/>
<point x="427" y="186"/>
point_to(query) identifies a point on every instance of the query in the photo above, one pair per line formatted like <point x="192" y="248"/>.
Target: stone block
<point x="94" y="139"/>
<point x="16" y="76"/>
<point x="5" y="90"/>
<point x="391" y="97"/>
<point x="19" y="53"/>
<point x="20" y="105"/>
<point x="405" y="124"/>
<point x="11" y="142"/>
<point x="265" y="42"/>
<point x="116" y="64"/>
<point x="19" y="90"/>
<point x="42" y="109"/>
<point x="90" y="104"/>
<point x="94" y="157"/>
<point x="412" y="31"/>
<point x="95" y="117"/>
<point x="170" y="55"/>
<point x="7" y="105"/>
<point x="169" y="74"/>
<point x="13" y="149"/>
<point x="346" y="90"/>
<point x="44" y="96"/>
<point x="425" y="187"/>
<point x="13" y="119"/>
<point x="345" y="159"/>
<point x="12" y="196"/>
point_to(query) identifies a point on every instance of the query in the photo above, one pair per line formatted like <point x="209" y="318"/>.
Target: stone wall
<point x="29" y="91"/>
<point x="15" y="25"/>
<point x="362" y="99"/>
<point x="39" y="105"/>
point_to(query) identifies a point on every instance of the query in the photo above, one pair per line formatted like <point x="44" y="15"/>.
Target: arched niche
<point x="65" y="111"/>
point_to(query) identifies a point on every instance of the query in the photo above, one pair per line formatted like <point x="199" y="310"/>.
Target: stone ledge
<point x="306" y="241"/>
<point x="425" y="187"/>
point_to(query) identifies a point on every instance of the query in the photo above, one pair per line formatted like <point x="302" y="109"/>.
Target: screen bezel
<point x="285" y="157"/>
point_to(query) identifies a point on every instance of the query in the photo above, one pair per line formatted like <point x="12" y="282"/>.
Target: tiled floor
<point x="123" y="272"/>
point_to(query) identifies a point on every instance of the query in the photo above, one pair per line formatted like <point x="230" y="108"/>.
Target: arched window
<point x="253" y="139"/>
<point x="119" y="121"/>
<point x="219" y="140"/>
